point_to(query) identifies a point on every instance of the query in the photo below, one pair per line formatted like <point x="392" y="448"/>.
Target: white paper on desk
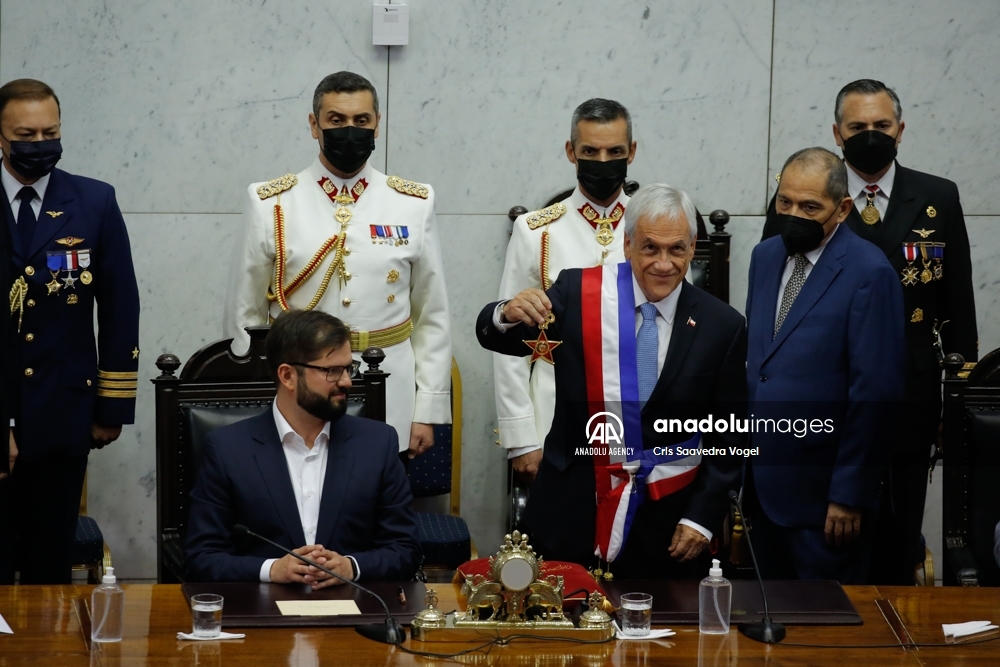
<point x="965" y="629"/>
<point x="653" y="634"/>
<point x="4" y="628"/>
<point x="318" y="607"/>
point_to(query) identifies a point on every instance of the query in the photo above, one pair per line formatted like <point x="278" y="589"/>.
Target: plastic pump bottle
<point x="715" y="597"/>
<point x="107" y="610"/>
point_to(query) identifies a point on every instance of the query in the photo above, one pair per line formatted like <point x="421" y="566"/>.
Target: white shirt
<point x="813" y="257"/>
<point x="12" y="187"/>
<point x="856" y="188"/>
<point x="307" y="470"/>
<point x="666" y="309"/>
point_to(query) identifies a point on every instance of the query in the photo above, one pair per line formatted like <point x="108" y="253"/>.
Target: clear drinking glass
<point x="206" y="615"/>
<point x="636" y="614"/>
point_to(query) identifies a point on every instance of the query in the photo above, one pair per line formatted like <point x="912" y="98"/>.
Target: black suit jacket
<point x="364" y="510"/>
<point x="704" y="373"/>
<point x="6" y="381"/>
<point x="915" y="196"/>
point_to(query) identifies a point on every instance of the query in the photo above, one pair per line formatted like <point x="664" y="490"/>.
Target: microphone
<point x="390" y="632"/>
<point x="766" y="630"/>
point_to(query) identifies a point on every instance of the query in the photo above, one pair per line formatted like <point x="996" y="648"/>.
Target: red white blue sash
<point x="625" y="474"/>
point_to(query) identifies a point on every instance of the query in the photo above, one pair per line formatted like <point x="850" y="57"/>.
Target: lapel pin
<point x="54" y="214"/>
<point x="924" y="233"/>
<point x="931" y="212"/>
<point x="69" y="241"/>
<point x="691" y="322"/>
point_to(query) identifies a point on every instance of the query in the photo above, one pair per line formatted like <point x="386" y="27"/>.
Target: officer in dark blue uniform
<point x="72" y="391"/>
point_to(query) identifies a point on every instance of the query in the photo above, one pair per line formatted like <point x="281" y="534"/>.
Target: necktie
<point x="26" y="221"/>
<point x="792" y="289"/>
<point x="646" y="347"/>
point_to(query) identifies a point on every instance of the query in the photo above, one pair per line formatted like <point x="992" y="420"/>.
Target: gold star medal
<point x="542" y="347"/>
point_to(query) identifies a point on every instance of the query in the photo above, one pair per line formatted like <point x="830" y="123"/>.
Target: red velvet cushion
<point x="574" y="577"/>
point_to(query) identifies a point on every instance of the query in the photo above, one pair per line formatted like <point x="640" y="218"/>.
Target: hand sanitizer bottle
<point x="107" y="610"/>
<point x="715" y="596"/>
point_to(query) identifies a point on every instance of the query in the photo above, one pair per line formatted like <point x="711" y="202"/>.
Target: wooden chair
<point x="216" y="388"/>
<point x="971" y="469"/>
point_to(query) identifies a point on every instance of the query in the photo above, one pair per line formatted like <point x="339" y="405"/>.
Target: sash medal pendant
<point x="542" y="347"/>
<point x="603" y="226"/>
<point x="869" y="214"/>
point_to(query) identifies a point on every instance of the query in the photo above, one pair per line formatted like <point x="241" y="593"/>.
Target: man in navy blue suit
<point x="824" y="373"/>
<point x="327" y="485"/>
<point x="69" y="392"/>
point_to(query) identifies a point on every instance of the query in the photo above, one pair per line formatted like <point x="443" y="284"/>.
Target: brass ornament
<point x="277" y="186"/>
<point x="926" y="275"/>
<point x="54" y="215"/>
<point x="605" y="235"/>
<point x="909" y="275"/>
<point x="135" y="353"/>
<point x="924" y="233"/>
<point x="931" y="212"/>
<point x="393" y="276"/>
<point x="343" y="215"/>
<point x="29" y="271"/>
<point x="391" y="298"/>
<point x="545" y="216"/>
<point x="72" y="299"/>
<point x="18" y="291"/>
<point x="69" y="241"/>
<point x="54" y="286"/>
<point x="86" y="277"/>
<point x="408" y="187"/>
<point x="918" y="315"/>
<point x="869" y="214"/>
<point x="542" y="348"/>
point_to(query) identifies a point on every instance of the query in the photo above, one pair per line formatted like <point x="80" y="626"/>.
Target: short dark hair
<point x="866" y="87"/>
<point x="26" y="89"/>
<point x="342" y="82"/>
<point x="301" y="336"/>
<point x="599" y="110"/>
<point x="821" y="158"/>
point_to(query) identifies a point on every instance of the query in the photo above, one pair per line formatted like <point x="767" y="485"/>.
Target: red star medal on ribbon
<point x="542" y="347"/>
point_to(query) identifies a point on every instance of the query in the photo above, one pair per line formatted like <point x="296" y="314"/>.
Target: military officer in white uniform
<point x="342" y="237"/>
<point x="581" y="231"/>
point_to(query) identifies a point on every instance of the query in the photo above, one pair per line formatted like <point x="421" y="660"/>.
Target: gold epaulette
<point x="117" y="384"/>
<point x="276" y="186"/>
<point x="545" y="216"/>
<point x="408" y="187"/>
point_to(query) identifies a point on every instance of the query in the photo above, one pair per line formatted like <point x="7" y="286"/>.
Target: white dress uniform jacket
<point x="538" y="251"/>
<point x="385" y="281"/>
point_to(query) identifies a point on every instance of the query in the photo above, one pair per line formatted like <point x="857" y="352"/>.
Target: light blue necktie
<point x="646" y="344"/>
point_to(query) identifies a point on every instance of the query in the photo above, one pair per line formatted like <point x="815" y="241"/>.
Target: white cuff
<point x="518" y="432"/>
<point x="431" y="408"/>
<point x="514" y="452"/>
<point x="265" y="571"/>
<point x="701" y="529"/>
<point x="357" y="568"/>
<point x="500" y="325"/>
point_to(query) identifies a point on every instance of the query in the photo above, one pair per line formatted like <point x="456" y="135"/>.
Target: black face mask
<point x="34" y="159"/>
<point x="601" y="179"/>
<point x="348" y="148"/>
<point x="870" y="151"/>
<point x="801" y="234"/>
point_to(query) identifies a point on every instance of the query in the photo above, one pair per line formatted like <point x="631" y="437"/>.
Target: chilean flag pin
<point x="690" y="322"/>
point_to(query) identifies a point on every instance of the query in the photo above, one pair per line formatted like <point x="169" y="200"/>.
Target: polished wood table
<point x="47" y="631"/>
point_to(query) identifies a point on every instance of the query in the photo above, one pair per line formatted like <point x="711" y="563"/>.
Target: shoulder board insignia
<point x="408" y="187"/>
<point x="545" y="216"/>
<point x="277" y="186"/>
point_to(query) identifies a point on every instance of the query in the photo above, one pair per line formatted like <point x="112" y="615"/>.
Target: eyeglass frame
<point x="351" y="369"/>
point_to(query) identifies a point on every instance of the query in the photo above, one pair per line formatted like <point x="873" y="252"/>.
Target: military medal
<point x="937" y="254"/>
<point x="83" y="260"/>
<point x="869" y="214"/>
<point x="542" y="347"/>
<point x="55" y="285"/>
<point x="344" y="198"/>
<point x="390" y="234"/>
<point x="910" y="272"/>
<point x="926" y="275"/>
<point x="603" y="226"/>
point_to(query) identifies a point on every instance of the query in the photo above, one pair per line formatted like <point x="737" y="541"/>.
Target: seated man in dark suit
<point x="327" y="485"/>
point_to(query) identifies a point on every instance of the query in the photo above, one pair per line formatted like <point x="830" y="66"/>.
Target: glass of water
<point x="636" y="613"/>
<point x="206" y="615"/>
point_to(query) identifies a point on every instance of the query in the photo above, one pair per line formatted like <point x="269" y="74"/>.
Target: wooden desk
<point x="47" y="632"/>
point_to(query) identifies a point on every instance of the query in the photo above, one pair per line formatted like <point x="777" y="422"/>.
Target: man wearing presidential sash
<point x="345" y="238"/>
<point x="71" y="391"/>
<point x="581" y="231"/>
<point x="634" y="347"/>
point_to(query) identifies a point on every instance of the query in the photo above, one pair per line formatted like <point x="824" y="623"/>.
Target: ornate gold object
<point x="391" y="298"/>
<point x="512" y="600"/>
<point x="17" y="293"/>
<point x="29" y="271"/>
<point x="542" y="348"/>
<point x="86" y="277"/>
<point x="909" y="275"/>
<point x="869" y="214"/>
<point x="918" y="315"/>
<point x="394" y="335"/>
<point x="931" y="212"/>
<point x="55" y="214"/>
<point x="545" y="216"/>
<point x="924" y="233"/>
<point x="276" y="186"/>
<point x="408" y="187"/>
<point x="72" y="299"/>
<point x="343" y="215"/>
<point x="69" y="241"/>
<point x="54" y="285"/>
<point x="393" y="276"/>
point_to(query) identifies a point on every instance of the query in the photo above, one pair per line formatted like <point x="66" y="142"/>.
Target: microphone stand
<point x="390" y="632"/>
<point x="766" y="631"/>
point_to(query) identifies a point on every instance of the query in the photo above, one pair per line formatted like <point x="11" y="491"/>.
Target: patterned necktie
<point x="646" y="347"/>
<point x="26" y="221"/>
<point x="792" y="289"/>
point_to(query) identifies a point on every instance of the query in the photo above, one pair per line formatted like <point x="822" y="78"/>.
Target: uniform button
<point x="29" y="337"/>
<point x="29" y="270"/>
<point x="347" y="275"/>
<point x="31" y="303"/>
<point x="347" y="251"/>
<point x="89" y="383"/>
<point x="28" y="372"/>
<point x="763" y="378"/>
<point x="346" y="301"/>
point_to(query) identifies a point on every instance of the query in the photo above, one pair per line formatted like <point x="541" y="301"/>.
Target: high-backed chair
<point x="971" y="469"/>
<point x="444" y="538"/>
<point x="216" y="388"/>
<point x="709" y="271"/>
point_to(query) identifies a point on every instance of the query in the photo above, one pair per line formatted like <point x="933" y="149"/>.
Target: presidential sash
<point x="626" y="473"/>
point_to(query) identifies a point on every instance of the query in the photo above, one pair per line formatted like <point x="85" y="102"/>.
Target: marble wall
<point x="180" y="105"/>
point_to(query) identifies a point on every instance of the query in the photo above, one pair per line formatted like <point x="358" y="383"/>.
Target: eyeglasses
<point x="332" y="373"/>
